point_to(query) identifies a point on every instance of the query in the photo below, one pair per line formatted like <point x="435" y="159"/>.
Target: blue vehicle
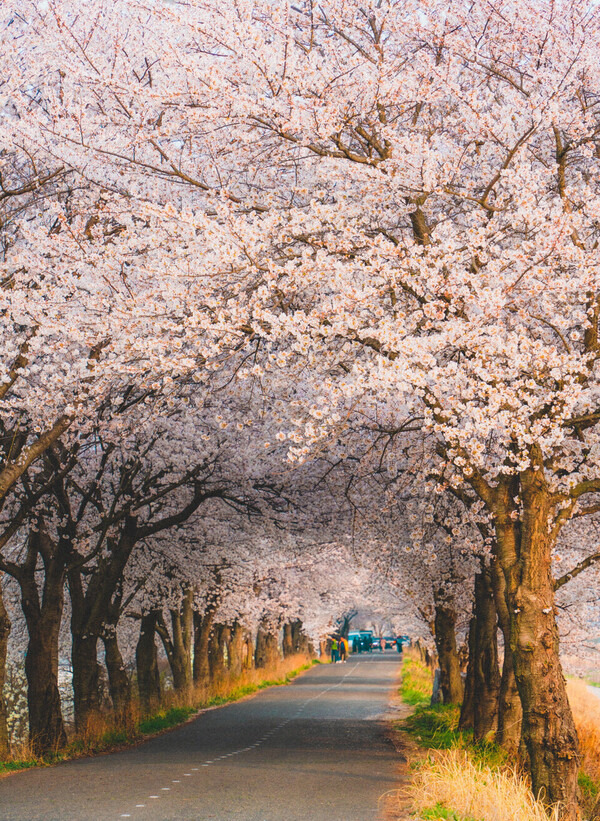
<point x="361" y="641"/>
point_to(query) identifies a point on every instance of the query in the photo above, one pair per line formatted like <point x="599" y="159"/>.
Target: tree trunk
<point x="300" y="641"/>
<point x="90" y="611"/>
<point x="344" y="627"/>
<point x="4" y="634"/>
<point x="118" y="680"/>
<point x="225" y="643"/>
<point x="445" y="641"/>
<point x="43" y="615"/>
<point x="86" y="678"/>
<point x="182" y="627"/>
<point x="267" y="649"/>
<point x="467" y="711"/>
<point x="510" y="712"/>
<point x="202" y="630"/>
<point x="203" y="625"/>
<point x="487" y="674"/>
<point x="248" y="652"/>
<point x="216" y="657"/>
<point x="178" y="645"/>
<point x="548" y="730"/>
<point x="46" y="725"/>
<point x="288" y="641"/>
<point x="236" y="651"/>
<point x="146" y="659"/>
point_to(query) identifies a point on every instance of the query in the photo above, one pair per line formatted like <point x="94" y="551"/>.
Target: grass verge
<point x="452" y="785"/>
<point x="453" y="779"/>
<point x="417" y="679"/>
<point x="586" y="713"/>
<point x="106" y="733"/>
<point x="436" y="728"/>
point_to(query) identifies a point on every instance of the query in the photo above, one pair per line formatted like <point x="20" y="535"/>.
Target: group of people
<point x="362" y="644"/>
<point x="339" y="649"/>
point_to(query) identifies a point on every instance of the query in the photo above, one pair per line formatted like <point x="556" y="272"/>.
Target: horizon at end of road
<point x="314" y="750"/>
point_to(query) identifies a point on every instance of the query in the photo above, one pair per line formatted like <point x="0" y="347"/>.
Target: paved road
<point x="312" y="751"/>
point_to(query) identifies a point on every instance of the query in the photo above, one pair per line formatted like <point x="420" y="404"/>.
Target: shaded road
<point x="312" y="751"/>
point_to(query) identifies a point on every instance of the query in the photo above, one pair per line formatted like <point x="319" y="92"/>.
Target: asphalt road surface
<point x="314" y="750"/>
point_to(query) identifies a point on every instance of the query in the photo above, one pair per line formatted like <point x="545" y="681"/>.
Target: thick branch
<point x="579" y="568"/>
<point x="13" y="471"/>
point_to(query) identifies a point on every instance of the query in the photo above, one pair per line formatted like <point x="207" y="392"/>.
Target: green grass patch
<point x="416" y="682"/>
<point x="114" y="738"/>
<point x="436" y="728"/>
<point x="14" y="766"/>
<point x="588" y="786"/>
<point x="165" y="720"/>
<point x="440" y="813"/>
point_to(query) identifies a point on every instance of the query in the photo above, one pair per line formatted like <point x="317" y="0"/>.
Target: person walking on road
<point x="343" y="649"/>
<point x="335" y="654"/>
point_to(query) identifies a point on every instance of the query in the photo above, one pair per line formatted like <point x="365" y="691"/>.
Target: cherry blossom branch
<point x="575" y="571"/>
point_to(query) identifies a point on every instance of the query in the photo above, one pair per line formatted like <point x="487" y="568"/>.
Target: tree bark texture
<point x="178" y="645"/>
<point x="445" y="641"/>
<point x="202" y="630"/>
<point x="87" y="699"/>
<point x="43" y="615"/>
<point x="146" y="659"/>
<point x="4" y="634"/>
<point x="486" y="679"/>
<point x="182" y="632"/>
<point x="288" y="641"/>
<point x="467" y="710"/>
<point x="236" y="650"/>
<point x="548" y="729"/>
<point x="510" y="712"/>
<point x="90" y="611"/>
<point x="300" y="641"/>
<point x="267" y="649"/>
<point x="118" y="679"/>
<point x="216" y="656"/>
<point x="203" y="625"/>
<point x="248" y="652"/>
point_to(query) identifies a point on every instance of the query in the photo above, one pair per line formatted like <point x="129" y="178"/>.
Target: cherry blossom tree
<point x="398" y="198"/>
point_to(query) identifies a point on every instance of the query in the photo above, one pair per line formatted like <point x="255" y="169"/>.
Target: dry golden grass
<point x="254" y="677"/>
<point x="21" y="755"/>
<point x="586" y="712"/>
<point x="451" y="781"/>
<point x="108" y="731"/>
<point x="452" y="785"/>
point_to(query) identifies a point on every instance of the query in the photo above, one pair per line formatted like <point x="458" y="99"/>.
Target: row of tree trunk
<point x="199" y="652"/>
<point x="488" y="695"/>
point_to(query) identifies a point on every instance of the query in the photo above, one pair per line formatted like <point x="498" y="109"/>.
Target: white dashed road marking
<point x="257" y="743"/>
